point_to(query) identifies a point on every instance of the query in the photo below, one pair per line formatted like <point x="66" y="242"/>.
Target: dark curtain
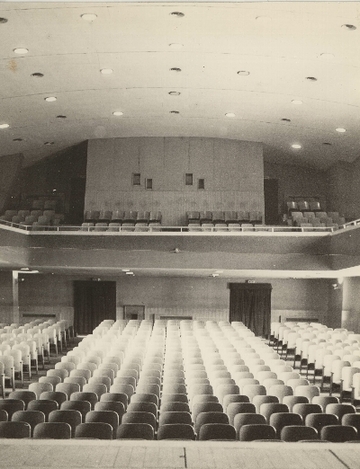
<point x="93" y="302"/>
<point x="251" y="304"/>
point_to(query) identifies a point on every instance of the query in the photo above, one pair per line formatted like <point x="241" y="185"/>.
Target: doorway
<point x="251" y="304"/>
<point x="271" y="197"/>
<point x="94" y="301"/>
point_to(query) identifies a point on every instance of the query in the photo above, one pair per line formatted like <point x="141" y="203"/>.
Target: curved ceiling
<point x="177" y="70"/>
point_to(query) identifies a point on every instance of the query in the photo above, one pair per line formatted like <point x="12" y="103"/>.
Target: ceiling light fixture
<point x="285" y="119"/>
<point x="230" y="114"/>
<point x="90" y="17"/>
<point x="17" y="139"/>
<point x="296" y="146"/>
<point x="311" y="78"/>
<point x="129" y="273"/>
<point x="60" y="116"/>
<point x="21" y="50"/>
<point x="296" y="101"/>
<point x="174" y="93"/>
<point x="175" y="45"/>
<point x="348" y="27"/>
<point x="178" y="14"/>
<point x="37" y="75"/>
<point x="49" y="143"/>
<point x="214" y="275"/>
<point x="106" y="71"/>
<point x="50" y="99"/>
<point x="4" y="126"/>
<point x="3" y="20"/>
<point x="175" y="69"/>
<point x="174" y="112"/>
<point x="118" y="113"/>
<point x="326" y="55"/>
<point x="243" y="73"/>
<point x="125" y="270"/>
<point x="341" y="130"/>
<point x="327" y="143"/>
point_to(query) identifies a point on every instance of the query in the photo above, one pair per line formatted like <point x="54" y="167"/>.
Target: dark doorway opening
<point x="251" y="304"/>
<point x="271" y="197"/>
<point x="76" y="201"/>
<point x="93" y="302"/>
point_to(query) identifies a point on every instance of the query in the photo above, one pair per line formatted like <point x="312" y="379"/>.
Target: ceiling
<point x="278" y="45"/>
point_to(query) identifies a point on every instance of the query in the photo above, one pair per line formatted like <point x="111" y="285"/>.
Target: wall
<point x="54" y="176"/>
<point x="297" y="181"/>
<point x="10" y="167"/>
<point x="233" y="173"/>
<point x="206" y="299"/>
<point x="351" y="304"/>
<point x="6" y="299"/>
<point x="343" y="183"/>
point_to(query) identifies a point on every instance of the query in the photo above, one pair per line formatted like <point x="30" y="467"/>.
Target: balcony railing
<point x="191" y="230"/>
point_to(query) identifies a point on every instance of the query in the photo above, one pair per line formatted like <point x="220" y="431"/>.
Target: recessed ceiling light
<point x="125" y="270"/>
<point x="174" y="112"/>
<point x="21" y="50"/>
<point x="17" y="139"/>
<point x="88" y="17"/>
<point x="50" y="99"/>
<point x="4" y="126"/>
<point x="118" y="113"/>
<point x="311" y="78"/>
<point x="37" y="75"/>
<point x="327" y="143"/>
<point x="296" y="146"/>
<point x="243" y="73"/>
<point x="175" y="69"/>
<point x="60" y="116"/>
<point x="176" y="45"/>
<point x="174" y="93"/>
<point x="3" y="20"/>
<point x="230" y="114"/>
<point x="178" y="14"/>
<point x="213" y="275"/>
<point x="263" y="19"/>
<point x="296" y="101"/>
<point x="49" y="143"/>
<point x="327" y="55"/>
<point x="348" y="27"/>
<point x="340" y="130"/>
<point x="285" y="119"/>
<point x="129" y="273"/>
<point x="106" y="71"/>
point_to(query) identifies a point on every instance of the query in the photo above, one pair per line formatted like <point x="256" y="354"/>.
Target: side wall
<point x="297" y="181"/>
<point x="206" y="299"/>
<point x="232" y="172"/>
<point x="10" y="167"/>
<point x="343" y="185"/>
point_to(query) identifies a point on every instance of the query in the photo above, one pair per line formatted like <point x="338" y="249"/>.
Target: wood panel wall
<point x="232" y="171"/>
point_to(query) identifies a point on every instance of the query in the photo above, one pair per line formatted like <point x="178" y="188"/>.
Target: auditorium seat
<point x="52" y="430"/>
<point x="217" y="431"/>
<point x="105" y="416"/>
<point x="176" y="431"/>
<point x="279" y="420"/>
<point x="71" y="416"/>
<point x="257" y="431"/>
<point x="15" y="430"/>
<point x="142" y="431"/>
<point x="294" y="433"/>
<point x="32" y="417"/>
<point x="94" y="430"/>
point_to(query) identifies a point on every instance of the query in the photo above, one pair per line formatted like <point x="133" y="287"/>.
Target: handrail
<point x="280" y="229"/>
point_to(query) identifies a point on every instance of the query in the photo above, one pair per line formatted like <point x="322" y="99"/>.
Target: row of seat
<point x="33" y="218"/>
<point x="122" y="216"/>
<point x="23" y="347"/>
<point x="303" y="206"/>
<point x="125" y="226"/>
<point x="193" y="373"/>
<point x="319" y="218"/>
<point x="226" y="217"/>
<point x="332" y="356"/>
